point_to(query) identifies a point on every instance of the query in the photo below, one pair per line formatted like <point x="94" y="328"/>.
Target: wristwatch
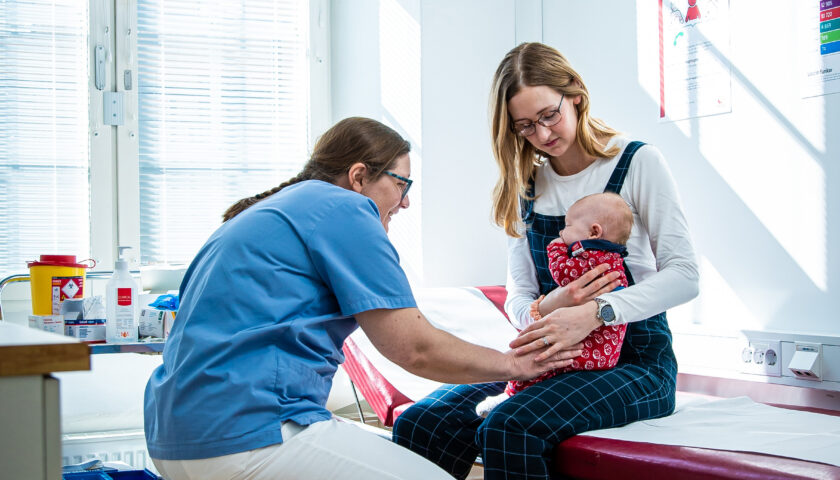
<point x="605" y="313"/>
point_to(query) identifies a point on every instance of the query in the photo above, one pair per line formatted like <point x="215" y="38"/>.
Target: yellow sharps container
<point x="55" y="278"/>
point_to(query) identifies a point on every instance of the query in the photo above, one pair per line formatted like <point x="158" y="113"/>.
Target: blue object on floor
<point x="86" y="476"/>
<point x="110" y="474"/>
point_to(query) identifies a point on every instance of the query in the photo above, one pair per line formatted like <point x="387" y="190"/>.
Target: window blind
<point x="44" y="153"/>
<point x="223" y="101"/>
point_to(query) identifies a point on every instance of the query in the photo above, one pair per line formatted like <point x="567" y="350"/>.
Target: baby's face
<point x="577" y="226"/>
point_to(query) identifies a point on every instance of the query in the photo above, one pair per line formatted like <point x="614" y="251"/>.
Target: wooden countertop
<point x="27" y="351"/>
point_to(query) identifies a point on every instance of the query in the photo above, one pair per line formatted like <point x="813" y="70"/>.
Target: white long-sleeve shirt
<point x="661" y="255"/>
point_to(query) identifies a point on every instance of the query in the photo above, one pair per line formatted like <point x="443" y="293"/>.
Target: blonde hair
<point x="352" y="140"/>
<point x="531" y="65"/>
<point x="611" y="211"/>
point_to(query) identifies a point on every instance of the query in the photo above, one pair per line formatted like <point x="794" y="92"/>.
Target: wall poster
<point x="819" y="33"/>
<point x="695" y="78"/>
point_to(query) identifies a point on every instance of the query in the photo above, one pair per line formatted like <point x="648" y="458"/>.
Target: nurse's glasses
<point x="407" y="181"/>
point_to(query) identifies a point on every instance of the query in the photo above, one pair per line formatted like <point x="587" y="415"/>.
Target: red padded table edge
<point x="374" y="387"/>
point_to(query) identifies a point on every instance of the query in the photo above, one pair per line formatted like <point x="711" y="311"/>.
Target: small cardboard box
<point x="156" y="323"/>
<point x="88" y="330"/>
<point x="48" y="323"/>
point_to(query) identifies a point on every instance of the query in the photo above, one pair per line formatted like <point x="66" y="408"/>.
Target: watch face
<point x="607" y="314"/>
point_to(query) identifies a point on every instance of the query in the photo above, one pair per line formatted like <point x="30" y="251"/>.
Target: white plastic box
<point x="156" y="323"/>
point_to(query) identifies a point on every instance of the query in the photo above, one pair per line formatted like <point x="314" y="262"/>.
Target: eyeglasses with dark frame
<point x="547" y="119"/>
<point x="407" y="181"/>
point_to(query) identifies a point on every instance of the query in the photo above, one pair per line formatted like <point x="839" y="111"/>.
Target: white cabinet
<point x="30" y="443"/>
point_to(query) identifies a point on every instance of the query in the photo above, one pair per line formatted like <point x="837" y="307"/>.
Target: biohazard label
<point x="64" y="288"/>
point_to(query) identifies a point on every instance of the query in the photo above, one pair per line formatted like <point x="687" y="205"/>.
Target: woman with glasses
<point x="265" y="307"/>
<point x="551" y="153"/>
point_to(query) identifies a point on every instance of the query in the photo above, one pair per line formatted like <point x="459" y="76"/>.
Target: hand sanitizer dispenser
<point x="121" y="320"/>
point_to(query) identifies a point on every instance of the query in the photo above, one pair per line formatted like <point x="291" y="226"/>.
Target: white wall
<point x="755" y="182"/>
<point x="440" y="58"/>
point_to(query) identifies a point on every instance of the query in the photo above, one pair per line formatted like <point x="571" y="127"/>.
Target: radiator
<point x="117" y="446"/>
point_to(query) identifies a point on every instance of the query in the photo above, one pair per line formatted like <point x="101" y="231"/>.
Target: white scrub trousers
<point x="325" y="450"/>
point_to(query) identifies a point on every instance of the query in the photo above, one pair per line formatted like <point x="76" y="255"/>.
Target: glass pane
<point x="223" y="89"/>
<point x="44" y="152"/>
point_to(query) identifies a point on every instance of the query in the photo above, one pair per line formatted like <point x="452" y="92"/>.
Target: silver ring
<point x="545" y="341"/>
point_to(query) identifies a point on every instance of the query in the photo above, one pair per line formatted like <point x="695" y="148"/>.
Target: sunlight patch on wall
<point x="767" y="151"/>
<point x="779" y="181"/>
<point x="399" y="52"/>
<point x="405" y="231"/>
<point x="721" y="309"/>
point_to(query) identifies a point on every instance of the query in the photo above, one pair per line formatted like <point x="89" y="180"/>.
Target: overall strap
<point x="617" y="181"/>
<point x="526" y="206"/>
<point x="620" y="172"/>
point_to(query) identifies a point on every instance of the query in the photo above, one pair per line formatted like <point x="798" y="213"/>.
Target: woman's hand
<point x="582" y="290"/>
<point x="559" y="331"/>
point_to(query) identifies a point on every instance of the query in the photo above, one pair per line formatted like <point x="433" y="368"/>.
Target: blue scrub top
<point x="265" y="308"/>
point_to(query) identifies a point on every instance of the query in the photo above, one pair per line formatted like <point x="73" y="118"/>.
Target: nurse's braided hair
<point x="352" y="140"/>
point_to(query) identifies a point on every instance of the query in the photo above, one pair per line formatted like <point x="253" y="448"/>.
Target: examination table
<point x="585" y="456"/>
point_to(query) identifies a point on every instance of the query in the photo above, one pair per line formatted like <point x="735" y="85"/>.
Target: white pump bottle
<point x="121" y="322"/>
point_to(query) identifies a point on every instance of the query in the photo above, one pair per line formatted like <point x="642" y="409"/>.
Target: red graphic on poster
<point x="693" y="12"/>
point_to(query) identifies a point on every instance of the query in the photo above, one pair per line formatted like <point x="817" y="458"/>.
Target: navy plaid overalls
<point x="517" y="438"/>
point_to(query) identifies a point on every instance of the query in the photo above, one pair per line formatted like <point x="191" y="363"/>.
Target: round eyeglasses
<point x="406" y="183"/>
<point x="547" y="119"/>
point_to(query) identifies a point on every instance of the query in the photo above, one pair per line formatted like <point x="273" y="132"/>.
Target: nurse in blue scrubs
<point x="265" y="307"/>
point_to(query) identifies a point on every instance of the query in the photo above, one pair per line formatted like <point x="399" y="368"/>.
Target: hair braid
<point x="350" y="141"/>
<point x="246" y="202"/>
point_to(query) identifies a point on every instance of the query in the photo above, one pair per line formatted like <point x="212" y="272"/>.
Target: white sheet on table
<point x="464" y="312"/>
<point x="739" y="424"/>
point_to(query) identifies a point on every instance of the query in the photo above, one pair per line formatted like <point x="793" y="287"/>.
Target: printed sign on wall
<point x="819" y="34"/>
<point x="695" y="78"/>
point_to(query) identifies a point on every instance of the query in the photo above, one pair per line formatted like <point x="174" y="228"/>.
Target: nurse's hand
<point x="557" y="332"/>
<point x="526" y="366"/>
<point x="582" y="290"/>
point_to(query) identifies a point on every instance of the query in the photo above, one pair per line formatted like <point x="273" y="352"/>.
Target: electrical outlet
<point x="761" y="357"/>
<point x="807" y="361"/>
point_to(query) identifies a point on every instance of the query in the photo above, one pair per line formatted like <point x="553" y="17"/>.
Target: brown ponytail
<point x="348" y="142"/>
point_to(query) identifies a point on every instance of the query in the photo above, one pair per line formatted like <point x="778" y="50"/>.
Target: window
<point x="217" y="101"/>
<point x="44" y="154"/>
<point x="223" y="95"/>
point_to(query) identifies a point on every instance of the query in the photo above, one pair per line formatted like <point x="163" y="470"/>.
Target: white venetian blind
<point x="44" y="154"/>
<point x="223" y="100"/>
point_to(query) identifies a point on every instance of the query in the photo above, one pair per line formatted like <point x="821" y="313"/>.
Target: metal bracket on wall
<point x="99" y="69"/>
<point x="114" y="106"/>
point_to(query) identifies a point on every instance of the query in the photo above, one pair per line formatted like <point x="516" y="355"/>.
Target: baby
<point x="596" y="231"/>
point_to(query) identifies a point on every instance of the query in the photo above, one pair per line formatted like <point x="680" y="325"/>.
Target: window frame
<point x="114" y="150"/>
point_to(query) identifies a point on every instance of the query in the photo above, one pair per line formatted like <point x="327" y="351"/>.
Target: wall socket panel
<point x="760" y="357"/>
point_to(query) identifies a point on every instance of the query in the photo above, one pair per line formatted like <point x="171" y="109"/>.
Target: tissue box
<point x="48" y="323"/>
<point x="85" y="319"/>
<point x="156" y="323"/>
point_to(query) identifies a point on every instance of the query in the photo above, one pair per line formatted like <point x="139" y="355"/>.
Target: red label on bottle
<point x="124" y="296"/>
